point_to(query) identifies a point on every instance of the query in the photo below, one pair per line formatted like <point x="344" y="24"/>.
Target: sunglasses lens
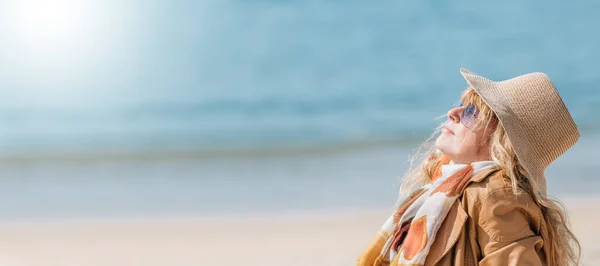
<point x="468" y="114"/>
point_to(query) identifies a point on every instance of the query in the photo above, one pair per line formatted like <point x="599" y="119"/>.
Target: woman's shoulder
<point x="503" y="213"/>
<point x="493" y="194"/>
<point x="494" y="189"/>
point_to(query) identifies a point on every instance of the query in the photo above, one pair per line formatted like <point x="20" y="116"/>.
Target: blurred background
<point x="165" y="108"/>
<point x="138" y="107"/>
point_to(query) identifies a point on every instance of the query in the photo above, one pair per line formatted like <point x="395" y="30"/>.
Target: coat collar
<point x="478" y="167"/>
<point x="483" y="174"/>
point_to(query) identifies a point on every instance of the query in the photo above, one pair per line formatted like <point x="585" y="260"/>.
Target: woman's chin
<point x="441" y="143"/>
<point x="444" y="145"/>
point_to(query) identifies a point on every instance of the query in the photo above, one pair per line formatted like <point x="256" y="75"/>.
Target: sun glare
<point x="48" y="21"/>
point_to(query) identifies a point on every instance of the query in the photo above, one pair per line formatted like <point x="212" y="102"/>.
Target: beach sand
<point x="298" y="238"/>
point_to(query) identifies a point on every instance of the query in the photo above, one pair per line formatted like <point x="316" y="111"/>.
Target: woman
<point x="479" y="194"/>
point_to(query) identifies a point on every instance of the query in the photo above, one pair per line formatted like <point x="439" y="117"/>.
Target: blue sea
<point x="221" y="106"/>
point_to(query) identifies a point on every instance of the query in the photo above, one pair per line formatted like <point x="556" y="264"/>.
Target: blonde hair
<point x="564" y="247"/>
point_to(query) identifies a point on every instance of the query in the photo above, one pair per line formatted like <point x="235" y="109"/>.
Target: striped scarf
<point x="406" y="237"/>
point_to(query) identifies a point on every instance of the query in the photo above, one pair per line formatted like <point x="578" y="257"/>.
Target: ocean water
<point x="190" y="104"/>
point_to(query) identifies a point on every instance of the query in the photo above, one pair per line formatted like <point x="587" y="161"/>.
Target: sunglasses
<point x="468" y="116"/>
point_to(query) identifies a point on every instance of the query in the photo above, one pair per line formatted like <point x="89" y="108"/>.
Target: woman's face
<point x="460" y="140"/>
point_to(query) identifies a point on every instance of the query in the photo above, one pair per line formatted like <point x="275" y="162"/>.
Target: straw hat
<point x="534" y="117"/>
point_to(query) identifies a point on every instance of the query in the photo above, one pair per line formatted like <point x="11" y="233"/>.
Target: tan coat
<point x="490" y="225"/>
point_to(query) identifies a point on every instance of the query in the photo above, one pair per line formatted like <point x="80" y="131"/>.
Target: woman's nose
<point x="454" y="114"/>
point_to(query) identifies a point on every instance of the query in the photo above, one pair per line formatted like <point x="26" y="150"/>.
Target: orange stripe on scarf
<point x="398" y="214"/>
<point x="455" y="184"/>
<point x="438" y="169"/>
